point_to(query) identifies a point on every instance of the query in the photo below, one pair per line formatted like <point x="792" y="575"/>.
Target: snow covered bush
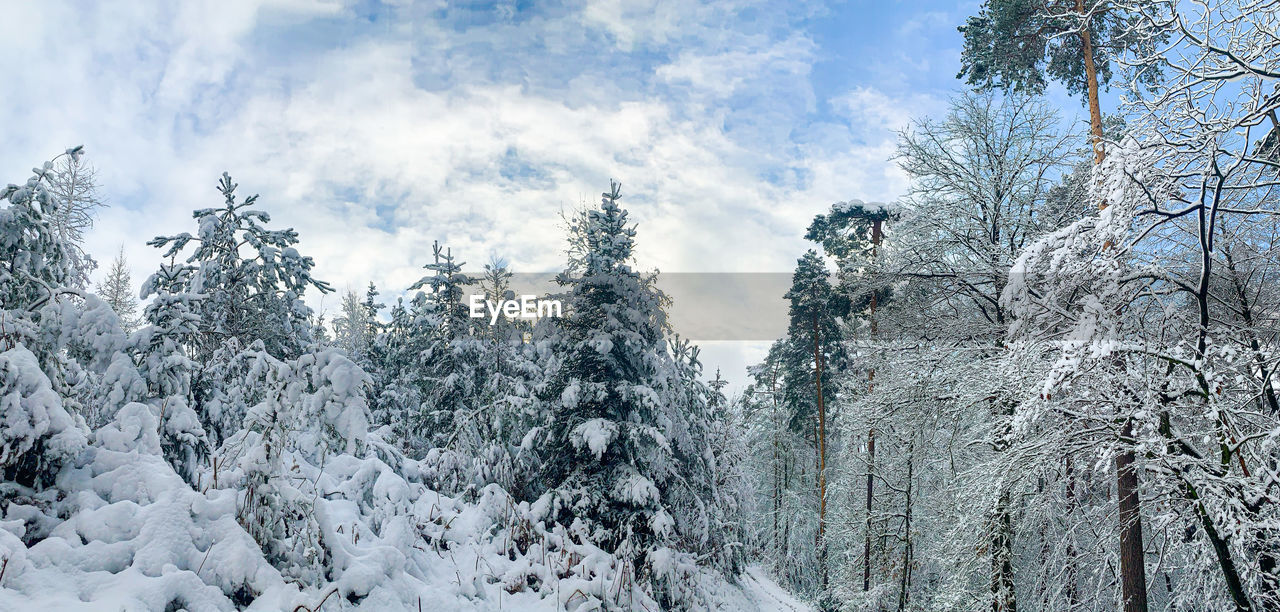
<point x="37" y="435"/>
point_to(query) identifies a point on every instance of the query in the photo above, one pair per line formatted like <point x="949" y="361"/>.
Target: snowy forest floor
<point x="765" y="594"/>
<point x="120" y="530"/>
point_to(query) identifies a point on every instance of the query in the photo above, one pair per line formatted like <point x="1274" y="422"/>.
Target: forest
<point x="1044" y="378"/>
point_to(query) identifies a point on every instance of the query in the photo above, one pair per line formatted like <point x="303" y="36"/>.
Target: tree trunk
<point x="905" y="586"/>
<point x="876" y="234"/>
<point x="1133" y="574"/>
<point x="866" y="544"/>
<point x="1221" y="549"/>
<point x="1091" y="84"/>
<point x="822" y="454"/>
<point x="1246" y="316"/>
<point x="1073" y="594"/>
<point x="777" y="483"/>
<point x="1003" y="598"/>
<point x="1230" y="574"/>
<point x="786" y="486"/>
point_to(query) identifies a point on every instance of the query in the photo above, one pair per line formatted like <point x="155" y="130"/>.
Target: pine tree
<point x="813" y="357"/>
<point x="252" y="298"/>
<point x="707" y="490"/>
<point x="117" y="291"/>
<point x="371" y="309"/>
<point x="39" y="263"/>
<point x="607" y="460"/>
<point x="40" y="429"/>
<point x="231" y="302"/>
<point x="1019" y="45"/>
<point x="354" y="329"/>
<point x="447" y="371"/>
<point x="495" y="285"/>
<point x="398" y="403"/>
<point x="446" y="296"/>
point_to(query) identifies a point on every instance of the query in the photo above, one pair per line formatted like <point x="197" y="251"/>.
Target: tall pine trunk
<point x="1091" y="84"/>
<point x="822" y="454"/>
<point x="1133" y="579"/>
<point x="876" y="234"/>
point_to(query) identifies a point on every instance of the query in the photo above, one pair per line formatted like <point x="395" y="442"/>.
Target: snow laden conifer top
<point x="259" y="296"/>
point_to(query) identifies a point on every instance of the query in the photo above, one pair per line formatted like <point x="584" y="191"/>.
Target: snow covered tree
<point x="38" y="261"/>
<point x="118" y="292"/>
<point x="74" y="183"/>
<point x="814" y="355"/>
<point x="495" y="285"/>
<point x="398" y="401"/>
<point x="226" y="301"/>
<point x="41" y="338"/>
<point x="446" y="297"/>
<point x="39" y="307"/>
<point x="1151" y="299"/>
<point x="607" y="462"/>
<point x="447" y="370"/>
<point x="355" y="329"/>
<point x="706" y="494"/>
<point x="258" y="297"/>
<point x="981" y="179"/>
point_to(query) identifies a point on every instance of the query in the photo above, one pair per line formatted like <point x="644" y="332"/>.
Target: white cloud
<point x="348" y="146"/>
<point x="872" y="109"/>
<point x="724" y="73"/>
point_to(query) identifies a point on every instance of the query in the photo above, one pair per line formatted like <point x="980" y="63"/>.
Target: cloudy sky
<point x="375" y="128"/>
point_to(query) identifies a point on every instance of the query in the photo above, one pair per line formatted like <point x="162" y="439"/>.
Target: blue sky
<point x="375" y="128"/>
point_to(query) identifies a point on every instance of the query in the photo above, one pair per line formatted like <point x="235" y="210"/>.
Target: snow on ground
<point x="767" y="595"/>
<point x="121" y="530"/>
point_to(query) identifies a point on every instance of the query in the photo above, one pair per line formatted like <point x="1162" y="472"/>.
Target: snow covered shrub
<point x="277" y="509"/>
<point x="37" y="435"/>
<point x="130" y="534"/>
<point x="84" y="350"/>
<point x="134" y="428"/>
<point x="332" y="389"/>
<point x="308" y="410"/>
<point x="182" y="440"/>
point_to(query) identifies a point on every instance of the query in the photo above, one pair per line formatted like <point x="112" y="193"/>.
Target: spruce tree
<point x="240" y="289"/>
<point x="608" y="462"/>
<point x="255" y="297"/>
<point x="447" y="372"/>
<point x="398" y="401"/>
